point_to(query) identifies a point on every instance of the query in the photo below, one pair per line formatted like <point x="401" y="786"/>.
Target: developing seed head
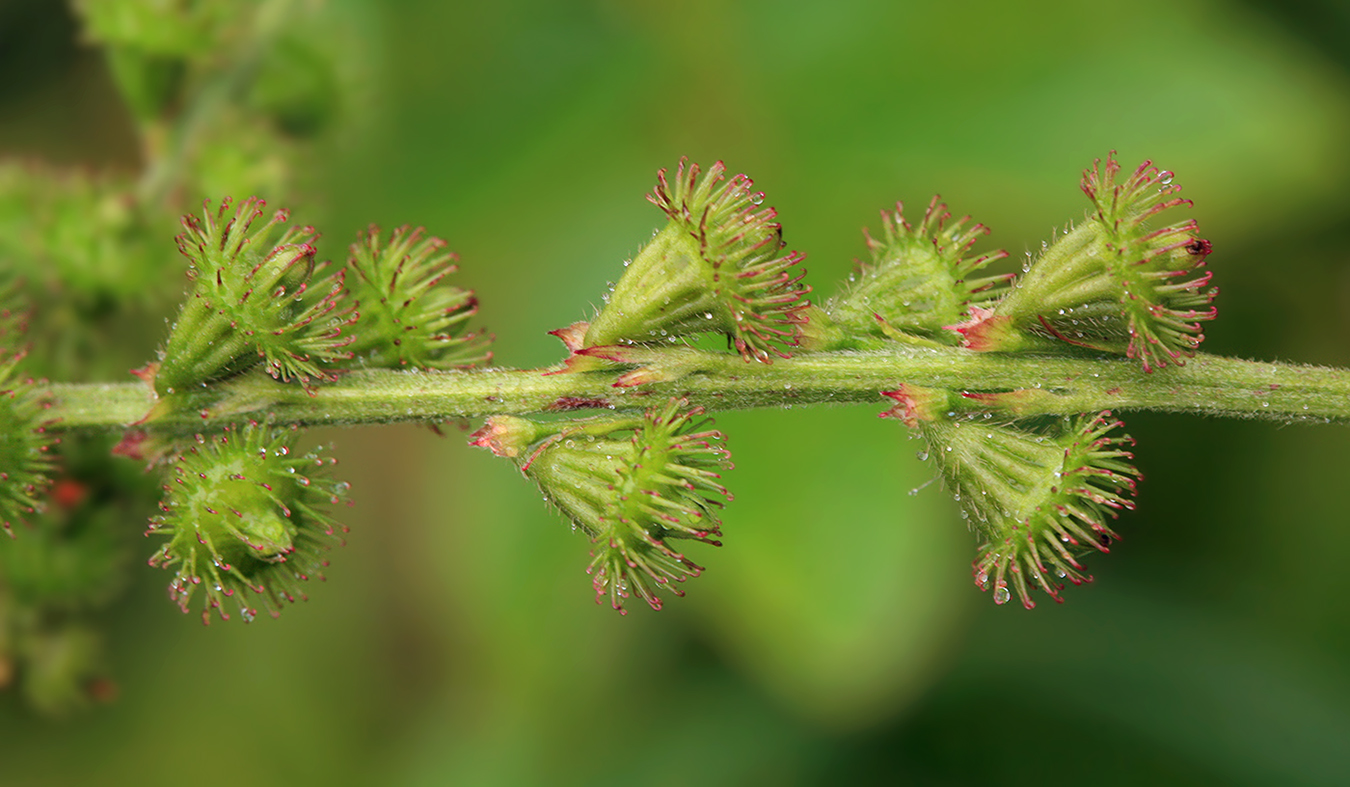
<point x="1094" y="479"/>
<point x="633" y="484"/>
<point x="1039" y="499"/>
<point x="921" y="278"/>
<point x="1117" y="282"/>
<point x="718" y="265"/>
<point x="253" y="300"/>
<point x="244" y="515"/>
<point x="410" y="316"/>
<point x="1165" y="294"/>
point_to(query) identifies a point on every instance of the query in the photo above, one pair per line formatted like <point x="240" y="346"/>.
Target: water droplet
<point x="1001" y="594"/>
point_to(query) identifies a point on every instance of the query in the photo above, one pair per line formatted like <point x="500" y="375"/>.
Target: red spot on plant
<point x="1199" y="248"/>
<point x="68" y="493"/>
<point x="567" y="403"/>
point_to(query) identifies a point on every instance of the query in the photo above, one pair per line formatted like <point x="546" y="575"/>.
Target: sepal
<point x="633" y="484"/>
<point x="244" y="515"/>
<point x="409" y="315"/>
<point x="718" y="265"/>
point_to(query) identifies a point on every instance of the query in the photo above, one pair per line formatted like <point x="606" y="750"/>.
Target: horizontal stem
<point x="718" y="381"/>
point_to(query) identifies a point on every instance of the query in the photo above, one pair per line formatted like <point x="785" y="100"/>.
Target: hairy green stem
<point x="1208" y="384"/>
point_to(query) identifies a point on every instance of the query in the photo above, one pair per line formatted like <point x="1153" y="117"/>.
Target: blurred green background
<point x="836" y="638"/>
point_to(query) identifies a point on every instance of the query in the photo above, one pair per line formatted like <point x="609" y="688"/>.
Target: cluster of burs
<point x="246" y="517"/>
<point x="1037" y="490"/>
<point x="230" y="98"/>
<point x="222" y="97"/>
<point x="244" y="513"/>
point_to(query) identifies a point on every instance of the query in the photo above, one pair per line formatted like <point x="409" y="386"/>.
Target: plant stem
<point x="1208" y="384"/>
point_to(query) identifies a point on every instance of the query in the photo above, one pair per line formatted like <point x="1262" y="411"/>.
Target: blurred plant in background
<point x="222" y="96"/>
<point x="446" y="652"/>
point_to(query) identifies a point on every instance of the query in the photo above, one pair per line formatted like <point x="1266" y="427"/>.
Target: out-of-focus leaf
<point x="837" y="589"/>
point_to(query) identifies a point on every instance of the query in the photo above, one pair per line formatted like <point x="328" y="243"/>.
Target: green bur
<point x="410" y="317"/>
<point x="1115" y="283"/>
<point x="921" y="280"/>
<point x="244" y="515"/>
<point x="717" y="266"/>
<point x="1038" y="495"/>
<point x="248" y="307"/>
<point x="631" y="484"/>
